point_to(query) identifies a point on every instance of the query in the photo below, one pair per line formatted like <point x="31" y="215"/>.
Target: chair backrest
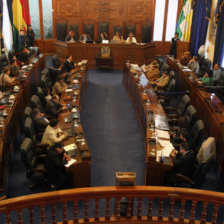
<point x="197" y="133"/>
<point x="207" y="150"/>
<point x="103" y="27"/>
<point x="118" y="29"/>
<point x="41" y="95"/>
<point x="29" y="129"/>
<point x="28" y="112"/>
<point x="89" y="29"/>
<point x="61" y="31"/>
<point x="172" y="75"/>
<point x="26" y="152"/>
<point x="184" y="102"/>
<point x="190" y="115"/>
<point x="55" y="61"/>
<point x="130" y="29"/>
<point x="35" y="102"/>
<point x="205" y="66"/>
<point x="74" y="27"/>
<point x="171" y="86"/>
<point x="146" y="33"/>
<point x="164" y="67"/>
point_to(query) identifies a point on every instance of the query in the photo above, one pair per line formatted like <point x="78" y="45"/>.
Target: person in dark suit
<point x="183" y="163"/>
<point x="173" y="49"/>
<point x="24" y="55"/>
<point x="53" y="107"/>
<point x="71" y="37"/>
<point x="40" y="121"/>
<point x="68" y="65"/>
<point x="55" y="166"/>
<point x="23" y="40"/>
<point x="30" y="35"/>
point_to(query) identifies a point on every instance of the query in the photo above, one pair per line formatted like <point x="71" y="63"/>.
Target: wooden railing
<point x="103" y="205"/>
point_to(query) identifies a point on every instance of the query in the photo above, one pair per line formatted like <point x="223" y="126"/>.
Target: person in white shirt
<point x="131" y="39"/>
<point x="53" y="134"/>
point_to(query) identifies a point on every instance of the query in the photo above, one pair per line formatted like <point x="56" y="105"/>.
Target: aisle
<point x="111" y="128"/>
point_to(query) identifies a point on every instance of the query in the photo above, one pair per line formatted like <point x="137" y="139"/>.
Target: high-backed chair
<point x="205" y="66"/>
<point x="146" y="33"/>
<point x="197" y="134"/>
<point x="35" y="170"/>
<point x="55" y="61"/>
<point x="172" y="75"/>
<point x="89" y="29"/>
<point x="41" y="95"/>
<point x="11" y="54"/>
<point x="179" y="109"/>
<point x="61" y="31"/>
<point x="36" y="102"/>
<point x="74" y="27"/>
<point x="164" y="67"/>
<point x="3" y="61"/>
<point x="130" y="29"/>
<point x="103" y="27"/>
<point x="28" y="112"/>
<point x="117" y="29"/>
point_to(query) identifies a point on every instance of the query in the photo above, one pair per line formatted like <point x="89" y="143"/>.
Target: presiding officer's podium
<point x="125" y="179"/>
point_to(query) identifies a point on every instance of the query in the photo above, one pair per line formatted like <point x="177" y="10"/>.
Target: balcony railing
<point x="138" y="204"/>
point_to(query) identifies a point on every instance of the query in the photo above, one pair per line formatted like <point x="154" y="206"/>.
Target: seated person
<point x="14" y="68"/>
<point x="4" y="77"/>
<point x="24" y="55"/>
<point x="71" y="37"/>
<point x="53" y="107"/>
<point x="184" y="60"/>
<point x="47" y="94"/>
<point x="103" y="36"/>
<point x="161" y="82"/>
<point x="183" y="136"/>
<point x="40" y="121"/>
<point x="84" y="38"/>
<point x="55" y="166"/>
<point x="216" y="74"/>
<point x="118" y="37"/>
<point x="69" y="64"/>
<point x="206" y="80"/>
<point x="152" y="70"/>
<point x="183" y="163"/>
<point x="53" y="134"/>
<point x="55" y="72"/>
<point x="193" y="65"/>
<point x="131" y="39"/>
<point x="59" y="87"/>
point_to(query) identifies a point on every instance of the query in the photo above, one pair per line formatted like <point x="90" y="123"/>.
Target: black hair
<point x="185" y="146"/>
<point x="53" y="122"/>
<point x="185" y="133"/>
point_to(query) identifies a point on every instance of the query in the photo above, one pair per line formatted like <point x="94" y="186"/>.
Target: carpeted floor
<point x="111" y="129"/>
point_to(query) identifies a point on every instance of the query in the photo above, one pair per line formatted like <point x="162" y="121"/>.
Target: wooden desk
<point x="135" y="53"/>
<point x="104" y="63"/>
<point x="145" y="101"/>
<point x="209" y="108"/>
<point x="81" y="168"/>
<point x="15" y="117"/>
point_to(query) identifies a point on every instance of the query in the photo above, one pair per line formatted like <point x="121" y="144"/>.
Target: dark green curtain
<point x="219" y="41"/>
<point x="201" y="14"/>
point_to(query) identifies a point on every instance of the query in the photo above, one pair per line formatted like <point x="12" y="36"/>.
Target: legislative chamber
<point x="112" y="111"/>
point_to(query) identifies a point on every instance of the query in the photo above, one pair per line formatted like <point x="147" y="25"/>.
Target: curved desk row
<point x="136" y="53"/>
<point x="147" y="107"/>
<point x="10" y="124"/>
<point x="209" y="107"/>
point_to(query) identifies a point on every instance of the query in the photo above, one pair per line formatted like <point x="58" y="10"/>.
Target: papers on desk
<point x="136" y="67"/>
<point x="162" y="135"/>
<point x="70" y="162"/>
<point x="144" y="68"/>
<point x="167" y="147"/>
<point x="70" y="147"/>
<point x="68" y="90"/>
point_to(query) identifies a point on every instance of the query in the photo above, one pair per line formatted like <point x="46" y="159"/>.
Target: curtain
<point x="201" y="14"/>
<point x="219" y="41"/>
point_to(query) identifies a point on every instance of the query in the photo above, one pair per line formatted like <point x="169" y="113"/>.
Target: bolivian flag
<point x="185" y="21"/>
<point x="21" y="18"/>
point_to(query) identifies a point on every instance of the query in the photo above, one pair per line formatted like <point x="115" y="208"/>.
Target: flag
<point x="184" y="21"/>
<point x="7" y="28"/>
<point x="21" y="18"/>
